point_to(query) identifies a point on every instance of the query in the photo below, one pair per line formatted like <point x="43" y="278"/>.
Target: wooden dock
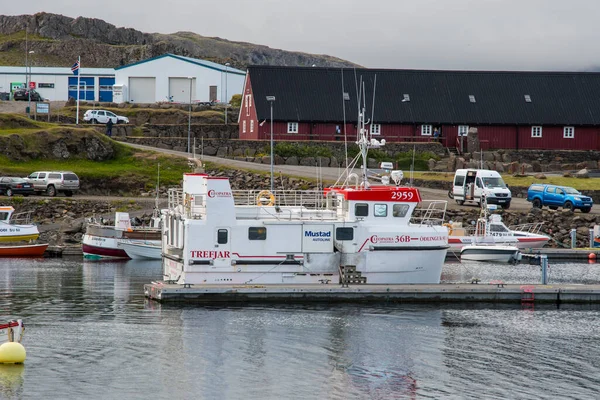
<point x="494" y="292"/>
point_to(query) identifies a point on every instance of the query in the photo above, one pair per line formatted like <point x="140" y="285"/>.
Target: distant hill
<point x="58" y="40"/>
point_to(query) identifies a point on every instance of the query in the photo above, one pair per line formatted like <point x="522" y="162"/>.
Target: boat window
<point x="361" y="210"/>
<point x="498" y="228"/>
<point x="344" y="234"/>
<point x="400" y="210"/>
<point x="257" y="233"/>
<point x="222" y="236"/>
<point x="3" y="216"/>
<point x="380" y="210"/>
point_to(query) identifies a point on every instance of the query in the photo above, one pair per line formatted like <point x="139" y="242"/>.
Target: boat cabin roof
<point x="378" y="193"/>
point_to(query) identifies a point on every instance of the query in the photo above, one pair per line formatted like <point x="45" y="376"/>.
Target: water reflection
<point x="11" y="381"/>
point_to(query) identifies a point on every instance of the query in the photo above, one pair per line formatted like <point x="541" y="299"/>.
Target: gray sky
<point x="421" y="34"/>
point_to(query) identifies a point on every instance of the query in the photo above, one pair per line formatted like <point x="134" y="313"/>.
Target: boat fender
<point x="12" y="353"/>
<point x="265" y="198"/>
<point x="449" y="228"/>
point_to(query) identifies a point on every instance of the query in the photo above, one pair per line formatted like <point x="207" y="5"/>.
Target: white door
<point x="142" y="90"/>
<point x="179" y="90"/>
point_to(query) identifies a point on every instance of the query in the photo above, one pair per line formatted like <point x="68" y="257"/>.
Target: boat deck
<point x="493" y="292"/>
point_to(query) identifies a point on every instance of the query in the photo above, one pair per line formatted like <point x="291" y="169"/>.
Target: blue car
<point x="553" y="196"/>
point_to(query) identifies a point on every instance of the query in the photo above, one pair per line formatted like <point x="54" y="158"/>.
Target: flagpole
<point x="78" y="75"/>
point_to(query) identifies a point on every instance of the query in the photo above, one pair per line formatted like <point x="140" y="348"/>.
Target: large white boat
<point x="354" y="232"/>
<point x="102" y="241"/>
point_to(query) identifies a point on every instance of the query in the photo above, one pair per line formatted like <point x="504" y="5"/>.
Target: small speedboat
<point x="491" y="253"/>
<point x="147" y="249"/>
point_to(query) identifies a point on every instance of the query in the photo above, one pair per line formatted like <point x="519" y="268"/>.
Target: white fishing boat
<point x="15" y="227"/>
<point x="141" y="249"/>
<point x="102" y="241"/>
<point x="491" y="253"/>
<point x="489" y="229"/>
<point x="354" y="232"/>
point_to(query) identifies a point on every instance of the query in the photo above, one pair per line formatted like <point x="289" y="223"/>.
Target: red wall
<point x="248" y="114"/>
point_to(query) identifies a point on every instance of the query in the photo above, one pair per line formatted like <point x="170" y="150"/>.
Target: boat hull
<point x="26" y="250"/>
<point x="142" y="250"/>
<point x="504" y="254"/>
<point x="533" y="242"/>
<point x="101" y="247"/>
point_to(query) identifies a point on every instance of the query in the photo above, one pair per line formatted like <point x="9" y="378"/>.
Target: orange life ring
<point x="265" y="198"/>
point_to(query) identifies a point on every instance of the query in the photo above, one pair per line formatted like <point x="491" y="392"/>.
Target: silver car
<point x="53" y="182"/>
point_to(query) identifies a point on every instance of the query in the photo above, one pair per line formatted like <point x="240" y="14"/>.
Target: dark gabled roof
<point x="315" y="94"/>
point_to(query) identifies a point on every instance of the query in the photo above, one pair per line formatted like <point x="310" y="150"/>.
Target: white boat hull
<point x="149" y="250"/>
<point x="490" y="253"/>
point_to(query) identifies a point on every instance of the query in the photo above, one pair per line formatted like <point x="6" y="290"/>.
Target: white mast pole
<point x="78" y="77"/>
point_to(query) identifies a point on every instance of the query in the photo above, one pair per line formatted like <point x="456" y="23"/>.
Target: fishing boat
<point x="489" y="229"/>
<point x="141" y="249"/>
<point x="16" y="227"/>
<point x="353" y="232"/>
<point x="102" y="241"/>
<point x="491" y="253"/>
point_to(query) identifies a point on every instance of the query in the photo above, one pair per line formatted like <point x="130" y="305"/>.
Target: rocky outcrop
<point x="63" y="39"/>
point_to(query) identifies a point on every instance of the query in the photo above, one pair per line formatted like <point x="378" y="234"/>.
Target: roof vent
<point x="346" y="96"/>
<point x="527" y="98"/>
<point x="472" y="98"/>
<point x="406" y="97"/>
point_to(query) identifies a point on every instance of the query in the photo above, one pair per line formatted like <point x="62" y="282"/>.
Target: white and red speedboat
<point x="354" y="231"/>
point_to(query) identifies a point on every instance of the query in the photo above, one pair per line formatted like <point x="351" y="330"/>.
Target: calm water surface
<point x="92" y="335"/>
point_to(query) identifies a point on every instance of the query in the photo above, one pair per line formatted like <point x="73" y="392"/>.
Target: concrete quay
<point x="494" y="292"/>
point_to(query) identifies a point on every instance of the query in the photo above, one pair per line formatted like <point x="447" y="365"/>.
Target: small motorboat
<point x="23" y="250"/>
<point x="491" y="253"/>
<point x="146" y="249"/>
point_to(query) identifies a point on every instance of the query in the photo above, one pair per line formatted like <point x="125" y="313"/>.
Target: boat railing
<point x="312" y="199"/>
<point x="531" y="227"/>
<point x="22" y="218"/>
<point x="430" y="212"/>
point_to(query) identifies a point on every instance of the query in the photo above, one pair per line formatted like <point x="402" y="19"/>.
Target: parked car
<point x="53" y="182"/>
<point x="12" y="185"/>
<point x="553" y="196"/>
<point x="23" y="94"/>
<point x="102" y="117"/>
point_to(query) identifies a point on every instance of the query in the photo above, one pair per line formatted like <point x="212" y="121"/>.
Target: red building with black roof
<point x="511" y="110"/>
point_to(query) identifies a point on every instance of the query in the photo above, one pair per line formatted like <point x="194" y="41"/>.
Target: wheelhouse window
<point x="568" y="132"/>
<point x="361" y="210"/>
<point x="292" y="127"/>
<point x="375" y="129"/>
<point x="344" y="234"/>
<point x="463" y="130"/>
<point x="257" y="233"/>
<point x="426" y="130"/>
<point x="536" y="131"/>
<point x="380" y="210"/>
<point x="400" y="210"/>
<point x="222" y="236"/>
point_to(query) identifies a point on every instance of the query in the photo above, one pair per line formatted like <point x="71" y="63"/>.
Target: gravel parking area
<point x="18" y="107"/>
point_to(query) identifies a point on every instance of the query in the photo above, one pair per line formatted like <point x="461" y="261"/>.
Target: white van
<point x="472" y="184"/>
<point x="386" y="165"/>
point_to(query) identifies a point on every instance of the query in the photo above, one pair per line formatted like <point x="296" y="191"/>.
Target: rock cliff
<point x="58" y="40"/>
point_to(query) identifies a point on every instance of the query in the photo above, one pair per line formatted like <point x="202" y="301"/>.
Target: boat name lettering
<point x="402" y="195"/>
<point x="210" y="254"/>
<point x="430" y="238"/>
<point x="213" y="193"/>
<point x="10" y="230"/>
<point x="390" y="239"/>
<point x="317" y="234"/>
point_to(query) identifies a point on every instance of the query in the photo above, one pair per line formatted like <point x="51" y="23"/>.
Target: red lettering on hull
<point x="212" y="254"/>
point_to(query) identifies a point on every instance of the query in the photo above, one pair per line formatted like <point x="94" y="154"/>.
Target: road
<point x="327" y="174"/>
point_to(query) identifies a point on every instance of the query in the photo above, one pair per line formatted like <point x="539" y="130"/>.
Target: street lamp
<point x="28" y="83"/>
<point x="226" y="98"/>
<point x="191" y="78"/>
<point x="271" y="99"/>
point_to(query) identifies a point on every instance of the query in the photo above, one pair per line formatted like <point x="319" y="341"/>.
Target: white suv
<point x="102" y="117"/>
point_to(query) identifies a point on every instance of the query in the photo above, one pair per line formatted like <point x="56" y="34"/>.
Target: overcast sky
<point x="421" y="34"/>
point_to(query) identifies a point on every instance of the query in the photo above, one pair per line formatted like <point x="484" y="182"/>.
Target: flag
<point x="75" y="68"/>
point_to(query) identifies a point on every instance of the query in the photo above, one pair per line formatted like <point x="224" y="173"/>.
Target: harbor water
<point x="91" y="334"/>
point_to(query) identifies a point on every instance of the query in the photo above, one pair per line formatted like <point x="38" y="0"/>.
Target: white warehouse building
<point x="173" y="78"/>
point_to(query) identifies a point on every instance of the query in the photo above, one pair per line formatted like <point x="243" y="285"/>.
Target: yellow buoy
<point x="12" y="353"/>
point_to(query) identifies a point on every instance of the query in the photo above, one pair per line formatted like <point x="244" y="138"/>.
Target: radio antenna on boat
<point x="412" y="164"/>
